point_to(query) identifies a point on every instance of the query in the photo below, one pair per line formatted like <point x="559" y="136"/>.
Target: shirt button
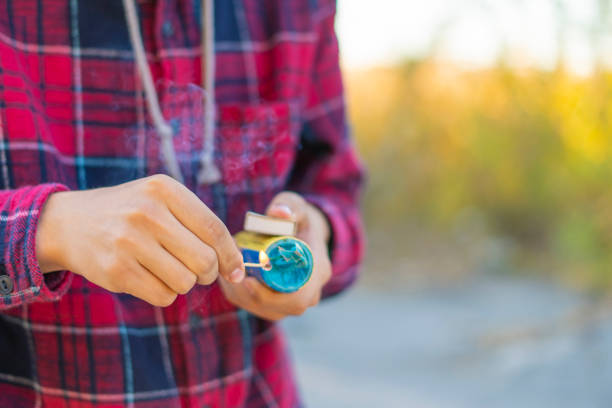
<point x="6" y="285"/>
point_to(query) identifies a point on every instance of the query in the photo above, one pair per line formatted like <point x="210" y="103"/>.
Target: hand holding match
<point x="151" y="238"/>
<point x="312" y="228"/>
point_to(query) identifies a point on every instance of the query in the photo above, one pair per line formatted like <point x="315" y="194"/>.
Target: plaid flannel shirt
<point x="73" y="116"/>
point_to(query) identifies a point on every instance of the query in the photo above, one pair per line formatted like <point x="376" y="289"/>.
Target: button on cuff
<point x="6" y="285"/>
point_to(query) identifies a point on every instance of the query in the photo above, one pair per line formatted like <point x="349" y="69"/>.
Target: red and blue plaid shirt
<point x="73" y="116"/>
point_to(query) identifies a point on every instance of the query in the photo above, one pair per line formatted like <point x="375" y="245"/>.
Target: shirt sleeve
<point x="328" y="172"/>
<point x="21" y="280"/>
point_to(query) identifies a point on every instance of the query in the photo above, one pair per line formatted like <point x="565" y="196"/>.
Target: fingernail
<point x="237" y="276"/>
<point x="282" y="208"/>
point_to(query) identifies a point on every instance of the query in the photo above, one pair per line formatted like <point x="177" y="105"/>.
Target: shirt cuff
<point x="28" y="281"/>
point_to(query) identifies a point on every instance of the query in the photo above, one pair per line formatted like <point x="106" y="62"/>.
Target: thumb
<point x="289" y="206"/>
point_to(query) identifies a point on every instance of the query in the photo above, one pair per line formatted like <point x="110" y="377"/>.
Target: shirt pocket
<point x="255" y="146"/>
<point x="255" y="149"/>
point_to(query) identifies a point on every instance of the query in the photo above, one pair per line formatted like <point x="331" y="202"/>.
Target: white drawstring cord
<point x="162" y="127"/>
<point x="209" y="173"/>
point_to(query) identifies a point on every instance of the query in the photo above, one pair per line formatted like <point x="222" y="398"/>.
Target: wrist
<point x="48" y="248"/>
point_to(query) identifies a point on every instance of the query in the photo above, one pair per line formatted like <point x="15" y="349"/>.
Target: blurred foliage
<point x="525" y="151"/>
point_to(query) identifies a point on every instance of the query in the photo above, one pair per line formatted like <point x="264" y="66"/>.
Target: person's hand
<point x="313" y="228"/>
<point x="151" y="238"/>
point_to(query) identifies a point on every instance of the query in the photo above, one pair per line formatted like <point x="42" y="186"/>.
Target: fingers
<point x="311" y="222"/>
<point x="166" y="268"/>
<point x="197" y="256"/>
<point x="142" y="284"/>
<point x="293" y="304"/>
<point x="202" y="222"/>
<point x="261" y="301"/>
<point x="239" y="295"/>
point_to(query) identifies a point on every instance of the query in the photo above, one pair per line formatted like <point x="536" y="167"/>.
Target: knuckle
<point x="157" y="184"/>
<point x="186" y="284"/>
<point x="217" y="231"/>
<point x="298" y="311"/>
<point x="159" y="226"/>
<point x="116" y="282"/>
<point x="141" y="213"/>
<point x="207" y="278"/>
<point x="154" y="221"/>
<point x="315" y="301"/>
<point x="165" y="299"/>
<point x="136" y="215"/>
<point x="208" y="267"/>
<point x="204" y="257"/>
<point x="114" y="268"/>
<point x="300" y="308"/>
<point x="162" y="179"/>
<point x="125" y="240"/>
<point x="146" y="215"/>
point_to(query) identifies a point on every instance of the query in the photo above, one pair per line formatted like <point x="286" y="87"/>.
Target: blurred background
<point x="486" y="126"/>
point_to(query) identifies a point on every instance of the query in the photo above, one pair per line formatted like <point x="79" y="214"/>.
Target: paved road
<point x="489" y="341"/>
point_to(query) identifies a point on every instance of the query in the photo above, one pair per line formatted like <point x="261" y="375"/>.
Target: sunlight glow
<point x="471" y="32"/>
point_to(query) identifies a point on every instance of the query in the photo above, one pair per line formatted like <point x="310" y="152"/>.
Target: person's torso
<point x="73" y="111"/>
